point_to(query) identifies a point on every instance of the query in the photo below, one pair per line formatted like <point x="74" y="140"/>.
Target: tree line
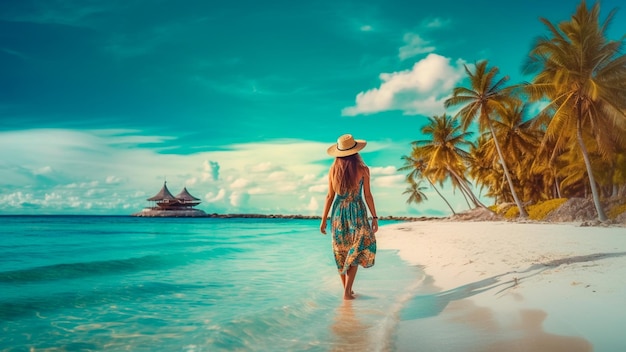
<point x="575" y="146"/>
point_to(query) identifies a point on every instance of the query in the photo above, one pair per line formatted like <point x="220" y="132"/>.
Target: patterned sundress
<point x="353" y="241"/>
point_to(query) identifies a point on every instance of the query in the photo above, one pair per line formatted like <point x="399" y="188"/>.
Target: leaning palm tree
<point x="416" y="166"/>
<point x="485" y="98"/>
<point x="583" y="75"/>
<point x="444" y="156"/>
<point x="519" y="140"/>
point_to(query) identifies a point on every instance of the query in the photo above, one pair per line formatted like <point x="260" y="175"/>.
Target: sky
<point x="101" y="102"/>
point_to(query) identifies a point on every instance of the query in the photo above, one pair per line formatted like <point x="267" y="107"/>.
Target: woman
<point x="353" y="240"/>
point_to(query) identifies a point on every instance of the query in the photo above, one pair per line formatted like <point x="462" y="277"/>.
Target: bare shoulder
<point x="363" y="172"/>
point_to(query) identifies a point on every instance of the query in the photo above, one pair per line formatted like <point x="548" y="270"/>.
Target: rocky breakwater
<point x="179" y="213"/>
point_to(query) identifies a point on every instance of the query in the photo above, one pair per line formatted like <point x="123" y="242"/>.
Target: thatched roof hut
<point x="186" y="198"/>
<point x="184" y="195"/>
<point x="181" y="205"/>
<point x="165" y="199"/>
<point x="163" y="195"/>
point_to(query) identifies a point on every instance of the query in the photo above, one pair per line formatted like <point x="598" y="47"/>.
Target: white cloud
<point x="82" y="185"/>
<point x="437" y="23"/>
<point x="387" y="170"/>
<point x="287" y="188"/>
<point x="308" y="177"/>
<point x="262" y="167"/>
<point x="113" y="180"/>
<point x="415" y="45"/>
<point x="212" y="197"/>
<point x="319" y="188"/>
<point x="191" y="181"/>
<point x="239" y="183"/>
<point x="52" y="197"/>
<point x="43" y="170"/>
<point x="313" y="205"/>
<point x="16" y="198"/>
<point x="420" y="90"/>
<point x="257" y="190"/>
<point x="388" y="181"/>
<point x="277" y="176"/>
<point x="239" y="199"/>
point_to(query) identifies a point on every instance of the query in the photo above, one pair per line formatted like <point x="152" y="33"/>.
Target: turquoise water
<point x="80" y="283"/>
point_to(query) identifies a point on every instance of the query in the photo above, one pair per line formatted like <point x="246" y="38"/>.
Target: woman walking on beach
<point x="353" y="238"/>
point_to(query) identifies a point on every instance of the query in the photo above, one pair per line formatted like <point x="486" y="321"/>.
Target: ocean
<point x="96" y="283"/>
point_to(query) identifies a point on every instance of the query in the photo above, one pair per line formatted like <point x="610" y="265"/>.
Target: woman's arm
<point x="369" y="199"/>
<point x="330" y="196"/>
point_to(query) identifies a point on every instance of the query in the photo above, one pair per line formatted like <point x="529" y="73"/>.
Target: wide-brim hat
<point x="346" y="145"/>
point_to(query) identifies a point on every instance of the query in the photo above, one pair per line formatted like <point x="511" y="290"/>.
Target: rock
<point x="574" y="209"/>
<point x="186" y="213"/>
<point x="476" y="214"/>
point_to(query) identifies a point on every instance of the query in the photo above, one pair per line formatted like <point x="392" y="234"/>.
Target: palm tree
<point x="572" y="173"/>
<point x="416" y="165"/>
<point x="483" y="169"/>
<point x="415" y="192"/>
<point x="445" y="159"/>
<point x="619" y="178"/>
<point x="481" y="101"/>
<point x="547" y="164"/>
<point x="584" y="77"/>
<point x="519" y="143"/>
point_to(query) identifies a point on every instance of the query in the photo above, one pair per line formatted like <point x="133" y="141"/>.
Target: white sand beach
<point x="506" y="286"/>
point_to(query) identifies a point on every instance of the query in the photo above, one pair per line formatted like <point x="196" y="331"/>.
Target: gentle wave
<point x="41" y="305"/>
<point x="107" y="267"/>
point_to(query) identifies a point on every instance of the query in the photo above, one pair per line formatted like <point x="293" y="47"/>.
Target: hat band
<point x="343" y="150"/>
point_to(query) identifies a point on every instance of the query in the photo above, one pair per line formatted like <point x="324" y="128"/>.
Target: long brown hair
<point x="344" y="172"/>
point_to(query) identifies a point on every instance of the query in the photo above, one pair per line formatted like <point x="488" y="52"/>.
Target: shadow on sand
<point x="423" y="306"/>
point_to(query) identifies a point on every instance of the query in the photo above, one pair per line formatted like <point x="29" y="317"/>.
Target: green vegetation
<point x="574" y="147"/>
<point x="539" y="211"/>
<point x="512" y="212"/>
<point x="617" y="211"/>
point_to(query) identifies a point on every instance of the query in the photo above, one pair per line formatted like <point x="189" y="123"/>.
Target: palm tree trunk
<point x="440" y="195"/>
<point x="465" y="188"/>
<point x="592" y="180"/>
<point x="466" y="200"/>
<point x="522" y="211"/>
<point x="558" y="188"/>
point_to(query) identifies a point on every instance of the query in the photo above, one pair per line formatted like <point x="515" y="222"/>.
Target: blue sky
<point x="101" y="101"/>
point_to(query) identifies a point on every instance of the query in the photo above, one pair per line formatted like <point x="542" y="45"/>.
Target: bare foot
<point x="348" y="297"/>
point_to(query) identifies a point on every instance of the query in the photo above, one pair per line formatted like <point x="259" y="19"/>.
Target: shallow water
<point x="201" y="284"/>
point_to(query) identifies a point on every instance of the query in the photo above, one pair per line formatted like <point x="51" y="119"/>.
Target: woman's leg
<point x="349" y="280"/>
<point x="343" y="282"/>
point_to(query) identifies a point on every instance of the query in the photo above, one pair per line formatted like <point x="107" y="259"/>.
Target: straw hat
<point x="346" y="145"/>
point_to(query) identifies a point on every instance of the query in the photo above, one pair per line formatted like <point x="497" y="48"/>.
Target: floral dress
<point x="353" y="241"/>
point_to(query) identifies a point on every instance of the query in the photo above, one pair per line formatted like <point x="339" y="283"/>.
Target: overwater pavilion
<point x="166" y="201"/>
